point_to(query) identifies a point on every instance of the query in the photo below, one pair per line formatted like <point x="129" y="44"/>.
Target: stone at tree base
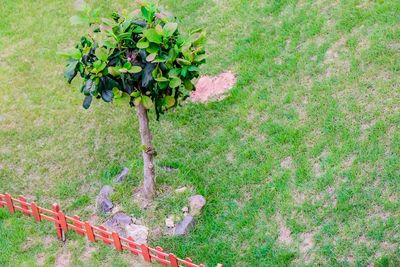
<point x="185" y="210"/>
<point x="185" y="225"/>
<point x="122" y="176"/>
<point x="103" y="201"/>
<point x="139" y="233"/>
<point x="169" y="222"/>
<point x="156" y="233"/>
<point x="196" y="204"/>
<point x="122" y="218"/>
<point x="124" y="225"/>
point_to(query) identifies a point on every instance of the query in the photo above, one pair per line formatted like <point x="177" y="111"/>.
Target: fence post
<point x="60" y="233"/>
<point x="89" y="232"/>
<point x="10" y="204"/>
<point x="117" y="241"/>
<point x="35" y="212"/>
<point x="161" y="256"/>
<point x="24" y="206"/>
<point x="63" y="221"/>
<point x="146" y="253"/>
<point x="173" y="260"/>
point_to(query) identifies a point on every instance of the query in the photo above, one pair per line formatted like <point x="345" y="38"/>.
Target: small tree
<point x="139" y="56"/>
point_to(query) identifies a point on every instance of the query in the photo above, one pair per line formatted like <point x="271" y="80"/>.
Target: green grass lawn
<point x="300" y="164"/>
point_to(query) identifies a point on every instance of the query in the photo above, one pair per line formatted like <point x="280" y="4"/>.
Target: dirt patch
<point x="378" y="212"/>
<point x="333" y="60"/>
<point x="285" y="235"/>
<point x="348" y="162"/>
<point x="298" y="197"/>
<point x="87" y="253"/>
<point x="287" y="163"/>
<point x="332" y="197"/>
<point x="48" y="240"/>
<point x="307" y="243"/>
<point x="63" y="259"/>
<point x="213" y="88"/>
<point x="40" y="259"/>
<point x="317" y="168"/>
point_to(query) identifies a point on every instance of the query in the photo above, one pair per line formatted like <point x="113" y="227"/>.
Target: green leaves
<point x="153" y="36"/>
<point x="142" y="44"/>
<point x="140" y="54"/>
<point x="175" y="82"/>
<point x="107" y="95"/>
<point x="114" y="71"/>
<point x="169" y="101"/>
<point x="87" y="101"/>
<point x="70" y="71"/>
<point x="147" y="103"/>
<point x="102" y="53"/>
<point x="170" y="28"/>
<point x="128" y="68"/>
<point x="89" y="88"/>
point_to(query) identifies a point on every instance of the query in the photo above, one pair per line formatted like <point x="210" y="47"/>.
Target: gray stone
<point x="185" y="210"/>
<point x="103" y="201"/>
<point x="105" y="205"/>
<point x="122" y="218"/>
<point x="196" y="204"/>
<point x="106" y="191"/>
<point x="124" y="226"/>
<point x="122" y="176"/>
<point x="185" y="225"/>
<point x="169" y="222"/>
<point x="139" y="233"/>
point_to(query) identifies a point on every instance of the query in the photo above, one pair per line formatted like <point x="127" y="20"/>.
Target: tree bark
<point x="149" y="188"/>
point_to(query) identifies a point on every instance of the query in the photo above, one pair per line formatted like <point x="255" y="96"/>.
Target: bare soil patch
<point x="285" y="235"/>
<point x="63" y="259"/>
<point x="213" y="88"/>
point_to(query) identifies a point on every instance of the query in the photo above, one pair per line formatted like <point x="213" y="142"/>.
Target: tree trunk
<point x="149" y="187"/>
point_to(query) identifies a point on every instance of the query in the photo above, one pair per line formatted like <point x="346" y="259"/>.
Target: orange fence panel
<point x="63" y="223"/>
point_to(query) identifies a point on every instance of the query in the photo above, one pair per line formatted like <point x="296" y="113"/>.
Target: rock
<point x="156" y="233"/>
<point x="106" y="191"/>
<point x="169" y="222"/>
<point x="181" y="189"/>
<point x="122" y="176"/>
<point x="139" y="233"/>
<point x="185" y="225"/>
<point x="122" y="218"/>
<point x="103" y="201"/>
<point x="185" y="210"/>
<point x="124" y="225"/>
<point x="196" y="204"/>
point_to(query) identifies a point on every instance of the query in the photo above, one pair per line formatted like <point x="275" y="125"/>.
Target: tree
<point x="141" y="57"/>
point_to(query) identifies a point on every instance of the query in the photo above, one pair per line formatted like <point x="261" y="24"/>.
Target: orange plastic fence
<point x="64" y="223"/>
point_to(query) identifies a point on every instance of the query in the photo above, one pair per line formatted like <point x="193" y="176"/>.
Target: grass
<point x="299" y="165"/>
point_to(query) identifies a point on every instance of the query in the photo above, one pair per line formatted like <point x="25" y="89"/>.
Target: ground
<point x="299" y="164"/>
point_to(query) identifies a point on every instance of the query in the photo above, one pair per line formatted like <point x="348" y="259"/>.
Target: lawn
<point x="300" y="164"/>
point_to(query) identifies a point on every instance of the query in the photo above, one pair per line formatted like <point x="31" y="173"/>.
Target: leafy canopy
<point x="141" y="55"/>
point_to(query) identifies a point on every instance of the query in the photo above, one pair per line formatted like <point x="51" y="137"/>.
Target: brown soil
<point x="213" y="88"/>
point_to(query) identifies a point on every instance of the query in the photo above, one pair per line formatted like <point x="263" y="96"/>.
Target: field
<point x="300" y="164"/>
